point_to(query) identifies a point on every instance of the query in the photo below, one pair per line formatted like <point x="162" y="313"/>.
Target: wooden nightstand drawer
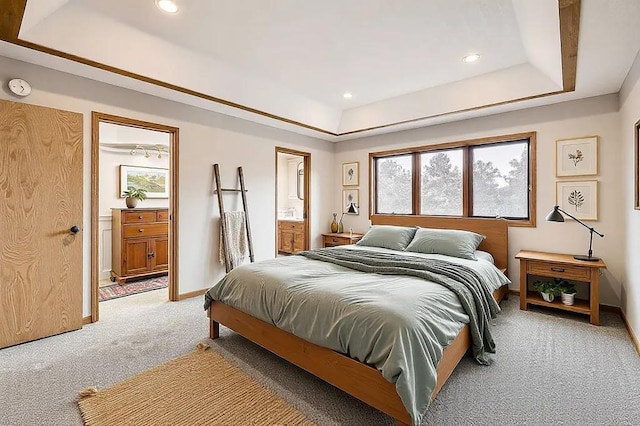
<point x="332" y="240"/>
<point x="549" y="269"/>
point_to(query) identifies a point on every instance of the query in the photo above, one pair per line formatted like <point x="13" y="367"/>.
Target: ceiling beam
<point x="11" y="18"/>
<point x="569" y="12"/>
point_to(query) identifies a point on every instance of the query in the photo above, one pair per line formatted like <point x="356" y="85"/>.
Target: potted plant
<point x="568" y="291"/>
<point x="548" y="290"/>
<point x="133" y="194"/>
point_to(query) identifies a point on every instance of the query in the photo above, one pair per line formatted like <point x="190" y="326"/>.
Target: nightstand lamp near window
<point x="556" y="216"/>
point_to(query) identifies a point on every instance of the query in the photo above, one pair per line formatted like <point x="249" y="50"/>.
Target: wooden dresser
<point x="290" y="236"/>
<point x="140" y="243"/>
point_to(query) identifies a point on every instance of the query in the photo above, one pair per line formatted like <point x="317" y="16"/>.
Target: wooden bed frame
<point x="357" y="379"/>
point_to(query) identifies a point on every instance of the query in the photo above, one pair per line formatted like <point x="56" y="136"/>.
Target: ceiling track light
<point x="137" y="147"/>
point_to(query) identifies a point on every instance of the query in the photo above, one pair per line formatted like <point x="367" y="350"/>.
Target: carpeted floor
<point x="551" y="368"/>
<point x="115" y="291"/>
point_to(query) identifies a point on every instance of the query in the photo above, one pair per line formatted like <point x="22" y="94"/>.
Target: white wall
<point x="593" y="116"/>
<point x="630" y="114"/>
<point x="205" y="138"/>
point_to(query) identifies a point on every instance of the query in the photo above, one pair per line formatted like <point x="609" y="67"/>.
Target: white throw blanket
<point x="236" y="241"/>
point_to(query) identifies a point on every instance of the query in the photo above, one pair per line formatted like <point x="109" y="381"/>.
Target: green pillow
<point x="388" y="236"/>
<point x="450" y="242"/>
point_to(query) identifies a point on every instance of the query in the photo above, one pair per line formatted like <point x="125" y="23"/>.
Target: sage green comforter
<point x="396" y="322"/>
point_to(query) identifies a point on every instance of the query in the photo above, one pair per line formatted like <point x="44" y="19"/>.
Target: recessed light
<point x="168" y="6"/>
<point x="347" y="95"/>
<point x="471" y="58"/>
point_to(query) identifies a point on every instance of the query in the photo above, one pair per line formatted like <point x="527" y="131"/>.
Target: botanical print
<point x="576" y="199"/>
<point x="579" y="198"/>
<point x="577" y="157"/>
<point x="350" y="174"/>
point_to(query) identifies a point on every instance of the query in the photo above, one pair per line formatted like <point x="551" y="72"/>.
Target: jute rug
<point x="200" y="388"/>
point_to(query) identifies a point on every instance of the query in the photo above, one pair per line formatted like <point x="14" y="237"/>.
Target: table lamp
<point x="556" y="216"/>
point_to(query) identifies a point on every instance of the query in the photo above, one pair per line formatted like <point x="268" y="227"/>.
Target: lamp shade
<point x="352" y="209"/>
<point x="555" y="215"/>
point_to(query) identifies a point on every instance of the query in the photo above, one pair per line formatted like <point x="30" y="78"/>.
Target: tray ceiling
<point x="287" y="63"/>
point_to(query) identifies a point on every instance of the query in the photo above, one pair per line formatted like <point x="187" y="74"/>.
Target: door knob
<point x="74" y="229"/>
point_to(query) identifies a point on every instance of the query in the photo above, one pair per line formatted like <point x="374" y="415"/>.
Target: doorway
<point x="136" y="245"/>
<point x="293" y="171"/>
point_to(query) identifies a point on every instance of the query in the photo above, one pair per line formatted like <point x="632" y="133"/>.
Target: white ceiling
<point x="287" y="63"/>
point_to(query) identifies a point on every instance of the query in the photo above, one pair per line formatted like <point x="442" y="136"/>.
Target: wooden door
<point x="160" y="250"/>
<point x="40" y="201"/>
<point x="137" y="253"/>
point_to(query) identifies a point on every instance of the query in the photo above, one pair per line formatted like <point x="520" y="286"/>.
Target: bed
<point x="357" y="378"/>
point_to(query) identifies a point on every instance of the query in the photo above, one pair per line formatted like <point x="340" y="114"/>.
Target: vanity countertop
<point x="290" y="219"/>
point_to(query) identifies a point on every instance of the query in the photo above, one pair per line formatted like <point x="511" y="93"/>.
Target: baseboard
<point x="86" y="320"/>
<point x="634" y="339"/>
<point x="192" y="294"/>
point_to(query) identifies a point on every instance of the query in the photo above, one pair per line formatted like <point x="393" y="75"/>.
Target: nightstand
<point x="332" y="240"/>
<point x="561" y="266"/>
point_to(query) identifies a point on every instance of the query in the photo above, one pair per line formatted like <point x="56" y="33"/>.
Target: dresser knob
<point x="140" y="217"/>
<point x="140" y="230"/>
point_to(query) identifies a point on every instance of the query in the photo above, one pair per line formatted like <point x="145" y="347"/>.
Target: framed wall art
<point x="579" y="198"/>
<point x="349" y="196"/>
<point x="577" y="157"/>
<point x="154" y="180"/>
<point x="350" y="174"/>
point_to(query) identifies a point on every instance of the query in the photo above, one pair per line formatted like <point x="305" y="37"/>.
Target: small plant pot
<point x="547" y="297"/>
<point x="567" y="298"/>
<point x="131" y="202"/>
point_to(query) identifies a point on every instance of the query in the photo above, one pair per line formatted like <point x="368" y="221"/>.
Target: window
<point x="441" y="183"/>
<point x="394" y="184"/>
<point x="491" y="177"/>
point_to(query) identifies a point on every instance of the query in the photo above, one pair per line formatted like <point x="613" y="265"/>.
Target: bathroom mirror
<point x="300" y="181"/>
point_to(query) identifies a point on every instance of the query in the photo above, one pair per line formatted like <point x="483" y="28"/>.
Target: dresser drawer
<point x="552" y="269"/>
<point x="144" y="230"/>
<point x="162" y="216"/>
<point x="294" y="226"/>
<point x="139" y="217"/>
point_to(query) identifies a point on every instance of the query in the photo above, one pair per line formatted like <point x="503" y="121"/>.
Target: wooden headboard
<point x="495" y="230"/>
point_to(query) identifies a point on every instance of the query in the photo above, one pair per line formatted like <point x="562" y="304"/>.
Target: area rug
<point x="200" y="388"/>
<point x="116" y="290"/>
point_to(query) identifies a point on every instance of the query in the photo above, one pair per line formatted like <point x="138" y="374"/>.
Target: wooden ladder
<point x="219" y="190"/>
